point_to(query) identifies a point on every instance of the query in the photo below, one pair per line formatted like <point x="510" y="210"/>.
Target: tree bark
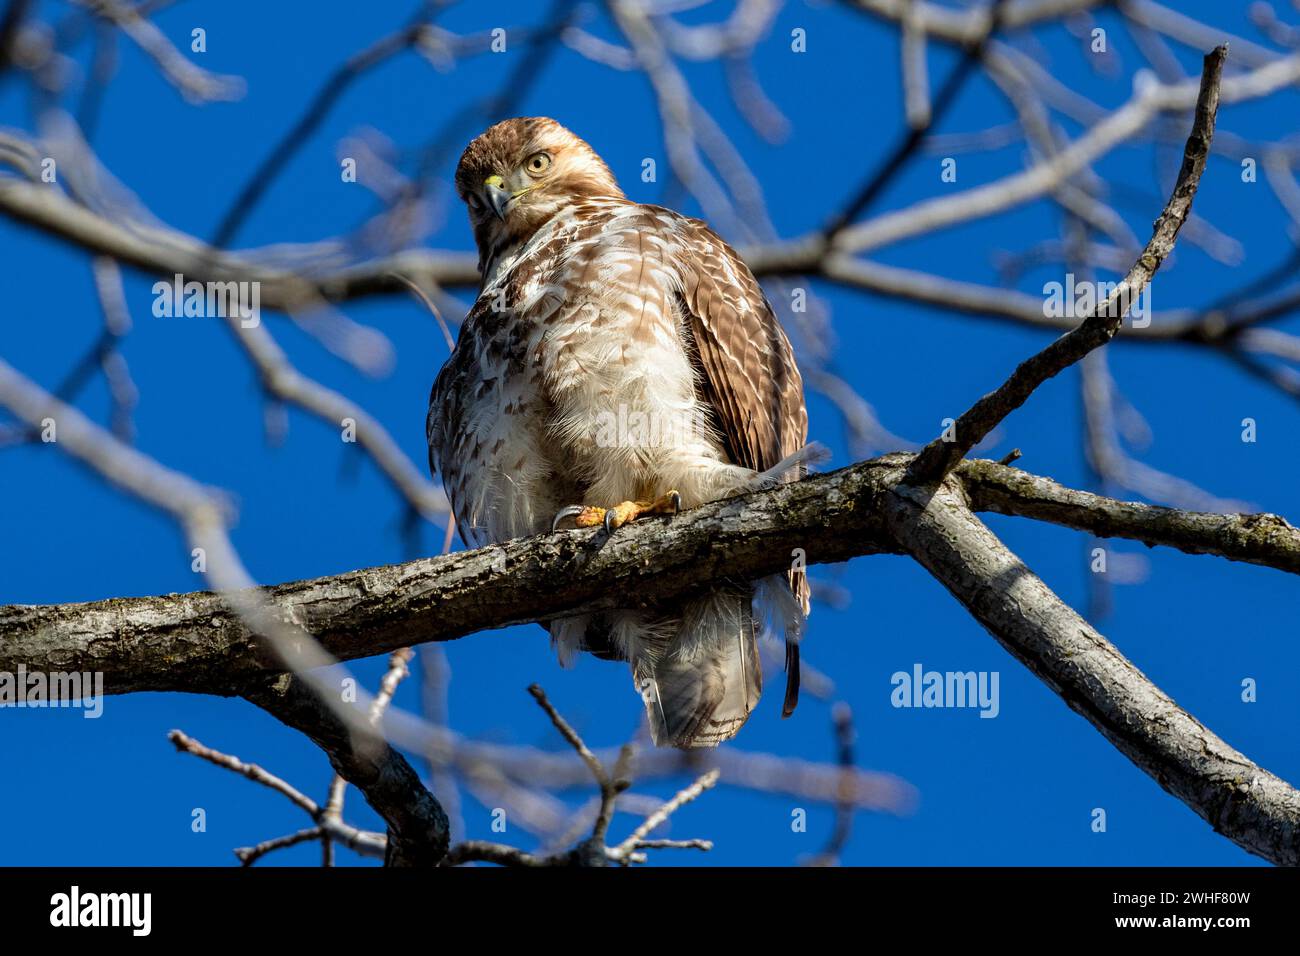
<point x="1247" y="804"/>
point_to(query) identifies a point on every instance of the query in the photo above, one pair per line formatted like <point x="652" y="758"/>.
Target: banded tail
<point x="701" y="690"/>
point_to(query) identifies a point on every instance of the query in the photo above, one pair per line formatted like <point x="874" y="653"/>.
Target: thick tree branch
<point x="194" y="642"/>
<point x="1264" y="539"/>
<point x="418" y="830"/>
<point x="1253" y="808"/>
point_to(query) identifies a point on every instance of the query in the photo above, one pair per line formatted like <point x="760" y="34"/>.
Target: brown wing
<point x="749" y="375"/>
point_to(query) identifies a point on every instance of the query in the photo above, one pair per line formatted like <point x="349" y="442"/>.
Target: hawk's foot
<point x="589" y="516"/>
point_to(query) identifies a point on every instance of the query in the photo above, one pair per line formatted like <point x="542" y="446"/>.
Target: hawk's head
<point x="519" y="173"/>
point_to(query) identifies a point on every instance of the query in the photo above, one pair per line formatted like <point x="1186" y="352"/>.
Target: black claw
<point x="677" y="503"/>
<point x="609" y="519"/>
<point x="571" y="511"/>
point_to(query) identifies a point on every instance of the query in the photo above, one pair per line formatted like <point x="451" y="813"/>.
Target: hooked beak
<point x="497" y="196"/>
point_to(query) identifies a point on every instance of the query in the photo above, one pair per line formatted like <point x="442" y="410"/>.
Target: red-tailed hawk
<point x="622" y="360"/>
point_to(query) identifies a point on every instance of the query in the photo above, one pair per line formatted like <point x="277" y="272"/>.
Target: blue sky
<point x="1018" y="789"/>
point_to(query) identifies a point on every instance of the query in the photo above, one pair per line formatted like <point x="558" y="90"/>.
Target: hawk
<point x="620" y="360"/>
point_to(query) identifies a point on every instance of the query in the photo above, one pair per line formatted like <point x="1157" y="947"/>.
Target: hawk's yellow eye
<point x="538" y="163"/>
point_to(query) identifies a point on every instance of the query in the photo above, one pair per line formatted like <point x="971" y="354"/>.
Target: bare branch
<point x="187" y="744"/>
<point x="968" y="26"/>
<point x="484" y="851"/>
<point x="1151" y="98"/>
<point x="248" y="855"/>
<point x="842" y="715"/>
<point x="1263" y="539"/>
<point x="1242" y="801"/>
<point x="195" y="83"/>
<point x="896" y="159"/>
<point x="623" y="851"/>
<point x="418" y="831"/>
<point x="592" y="851"/>
<point x="569" y="734"/>
<point x="330" y="828"/>
<point x="940" y="456"/>
<point x="136" y="642"/>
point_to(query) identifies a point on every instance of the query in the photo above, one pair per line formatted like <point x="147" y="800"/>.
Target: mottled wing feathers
<point x="749" y="370"/>
<point x="749" y="377"/>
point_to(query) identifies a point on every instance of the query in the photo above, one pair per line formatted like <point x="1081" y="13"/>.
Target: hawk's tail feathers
<point x="791" y="679"/>
<point x="702" y="690"/>
<point x="784" y="602"/>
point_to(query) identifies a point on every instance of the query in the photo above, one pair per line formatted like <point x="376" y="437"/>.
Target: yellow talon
<point x="619" y="515"/>
<point x="589" y="517"/>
